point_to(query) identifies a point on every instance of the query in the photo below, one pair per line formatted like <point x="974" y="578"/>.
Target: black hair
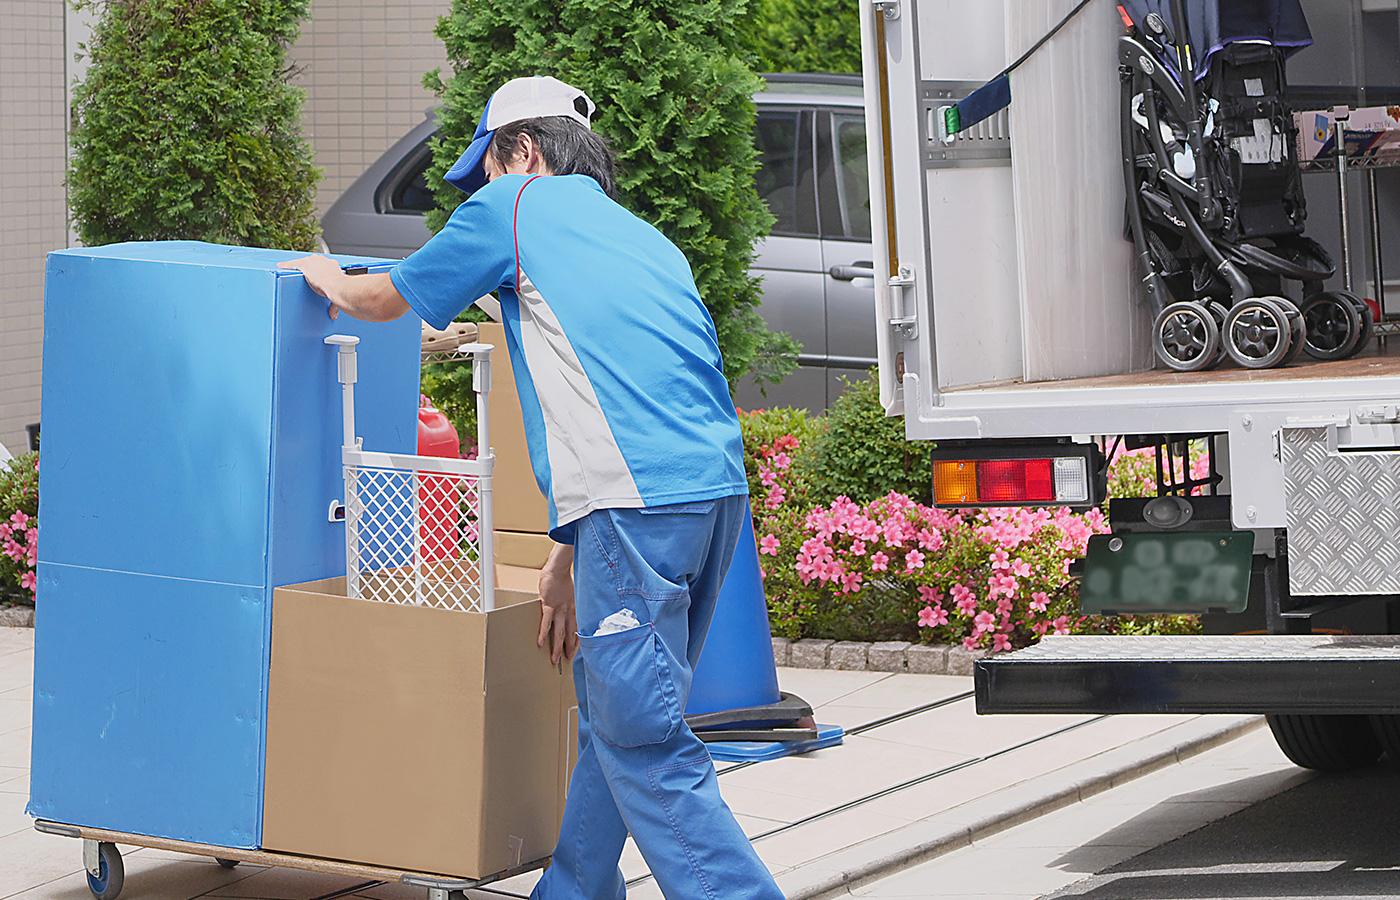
<point x="568" y="148"/>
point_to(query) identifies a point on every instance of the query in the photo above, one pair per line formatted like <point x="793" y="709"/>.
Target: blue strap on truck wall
<point x="994" y="96"/>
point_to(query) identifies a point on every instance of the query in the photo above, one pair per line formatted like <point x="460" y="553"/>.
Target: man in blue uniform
<point x="634" y="441"/>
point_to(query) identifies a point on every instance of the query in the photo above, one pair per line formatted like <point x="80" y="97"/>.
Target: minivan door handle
<point x="861" y="268"/>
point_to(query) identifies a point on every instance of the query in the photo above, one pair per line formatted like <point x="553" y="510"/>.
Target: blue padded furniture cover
<point x="191" y="449"/>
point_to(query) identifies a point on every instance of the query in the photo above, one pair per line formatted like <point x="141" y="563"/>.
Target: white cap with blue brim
<point x="520" y="98"/>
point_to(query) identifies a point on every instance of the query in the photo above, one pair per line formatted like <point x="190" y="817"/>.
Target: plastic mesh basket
<point x="414" y="536"/>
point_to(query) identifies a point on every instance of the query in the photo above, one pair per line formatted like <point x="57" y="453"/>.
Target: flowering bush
<point x="19" y="526"/>
<point x="1133" y="473"/>
<point x="895" y="569"/>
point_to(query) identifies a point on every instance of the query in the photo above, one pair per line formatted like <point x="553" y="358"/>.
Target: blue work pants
<point x="640" y="768"/>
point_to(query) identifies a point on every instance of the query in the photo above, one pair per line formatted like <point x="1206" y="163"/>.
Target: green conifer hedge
<point x="185" y="126"/>
<point x="674" y="90"/>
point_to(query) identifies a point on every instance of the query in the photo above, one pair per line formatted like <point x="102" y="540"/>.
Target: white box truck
<point x="1012" y="336"/>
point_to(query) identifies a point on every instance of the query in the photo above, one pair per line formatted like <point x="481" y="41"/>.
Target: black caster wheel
<point x="1219" y="311"/>
<point x="1185" y="336"/>
<point x="1334" y="325"/>
<point x="1257" y="333"/>
<point x="226" y="863"/>
<point x="107" y="883"/>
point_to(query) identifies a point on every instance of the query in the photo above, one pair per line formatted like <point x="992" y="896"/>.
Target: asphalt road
<point x="1335" y="836"/>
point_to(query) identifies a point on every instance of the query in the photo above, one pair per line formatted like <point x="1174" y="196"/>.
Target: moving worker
<point x="636" y="446"/>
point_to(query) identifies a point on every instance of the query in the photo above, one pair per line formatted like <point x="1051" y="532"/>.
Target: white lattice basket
<point x="418" y="529"/>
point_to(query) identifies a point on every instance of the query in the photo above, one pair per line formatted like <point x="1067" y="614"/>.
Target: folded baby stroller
<point x="1215" y="202"/>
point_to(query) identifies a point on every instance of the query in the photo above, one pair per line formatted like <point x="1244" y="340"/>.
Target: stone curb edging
<point x="917" y="843"/>
<point x="17" y="617"/>
<point x="878" y="656"/>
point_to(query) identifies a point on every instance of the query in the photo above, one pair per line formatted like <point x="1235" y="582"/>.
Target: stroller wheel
<point x="1368" y="322"/>
<point x="1334" y="325"/>
<point x="1298" y="334"/>
<point x="1257" y="333"/>
<point x="1185" y="336"/>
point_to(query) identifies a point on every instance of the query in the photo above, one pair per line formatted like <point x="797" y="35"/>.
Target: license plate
<point x="1170" y="572"/>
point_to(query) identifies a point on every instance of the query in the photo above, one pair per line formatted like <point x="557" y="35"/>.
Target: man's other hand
<point x="558" y="626"/>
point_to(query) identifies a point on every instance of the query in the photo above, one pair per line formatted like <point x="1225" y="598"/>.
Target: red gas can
<point x="439" y="496"/>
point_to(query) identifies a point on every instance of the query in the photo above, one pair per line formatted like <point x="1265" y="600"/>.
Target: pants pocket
<point x="631" y="697"/>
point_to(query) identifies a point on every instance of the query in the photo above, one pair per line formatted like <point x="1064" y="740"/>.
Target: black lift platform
<point x="1300" y="674"/>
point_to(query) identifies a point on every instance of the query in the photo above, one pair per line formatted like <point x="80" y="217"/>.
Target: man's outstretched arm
<point x="372" y="298"/>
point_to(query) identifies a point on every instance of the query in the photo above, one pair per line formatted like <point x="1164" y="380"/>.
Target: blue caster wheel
<point x="107" y="883"/>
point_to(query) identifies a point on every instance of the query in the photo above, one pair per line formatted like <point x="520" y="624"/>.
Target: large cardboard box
<point x="436" y="741"/>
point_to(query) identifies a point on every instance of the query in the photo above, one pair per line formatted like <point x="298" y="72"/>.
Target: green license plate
<point x="1170" y="572"/>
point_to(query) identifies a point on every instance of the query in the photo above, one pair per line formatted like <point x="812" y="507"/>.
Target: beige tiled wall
<point x="31" y="198"/>
<point x="360" y="61"/>
<point x="362" y="64"/>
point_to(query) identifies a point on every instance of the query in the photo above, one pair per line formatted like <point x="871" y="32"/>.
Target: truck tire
<point x="1387" y="729"/>
<point x="1326" y="743"/>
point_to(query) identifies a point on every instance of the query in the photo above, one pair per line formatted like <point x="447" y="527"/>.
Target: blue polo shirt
<point x="616" y="359"/>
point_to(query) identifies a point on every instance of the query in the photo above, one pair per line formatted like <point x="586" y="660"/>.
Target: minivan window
<point x="853" y="178"/>
<point x="406" y="188"/>
<point x="784" y="177"/>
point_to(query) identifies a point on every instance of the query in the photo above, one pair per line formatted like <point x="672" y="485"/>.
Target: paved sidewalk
<point x="892" y="797"/>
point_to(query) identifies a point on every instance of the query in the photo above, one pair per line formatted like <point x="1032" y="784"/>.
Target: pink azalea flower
<point x="969" y="644"/>
<point x="929" y="594"/>
<point x="782" y="461"/>
<point x="965" y="600"/>
<point x="5" y="531"/>
<point x="775" y="498"/>
<point x="858" y="548"/>
<point x="932" y="616"/>
<point x="27" y="581"/>
<point x="1000" y="643"/>
<point x="913" y="560"/>
<point x="984" y="621"/>
<point x="19" y="519"/>
<point x="1061" y="625"/>
<point x="769" y="544"/>
<point x="1021" y="569"/>
<point x="850" y="582"/>
<point x="1039" y="601"/>
<point x="879" y="562"/>
<point x="767" y="477"/>
<point x="999" y="560"/>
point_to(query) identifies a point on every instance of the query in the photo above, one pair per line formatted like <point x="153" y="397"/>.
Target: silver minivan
<point x="818" y="278"/>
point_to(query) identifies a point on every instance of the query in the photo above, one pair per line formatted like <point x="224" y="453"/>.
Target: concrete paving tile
<point x="901" y="692"/>
<point x="14" y="713"/>
<point x="13" y="639"/>
<point x="1111" y="824"/>
<point x="859" y="767"/>
<point x="849" y="717"/>
<point x="18" y="785"/>
<point x="821" y="686"/>
<point x="14" y="748"/>
<point x="977" y="872"/>
<point x="958" y="729"/>
<point x="12" y="815"/>
<point x="31" y="859"/>
<point x="147" y="876"/>
<point x="758" y="803"/>
<point x="275" y="883"/>
<point x="23" y="692"/>
<point x="17" y="668"/>
<point x="808" y="843"/>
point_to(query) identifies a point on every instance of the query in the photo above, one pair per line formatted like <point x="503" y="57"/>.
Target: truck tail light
<point x="1061" y="476"/>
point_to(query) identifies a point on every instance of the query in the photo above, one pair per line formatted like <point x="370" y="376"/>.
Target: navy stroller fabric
<point x="1215" y="23"/>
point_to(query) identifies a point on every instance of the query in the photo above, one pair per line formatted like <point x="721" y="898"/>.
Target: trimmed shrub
<point x="863" y="454"/>
<point x="675" y="96"/>
<point x="185" y="126"/>
<point x="19" y="526"/>
<point x="814" y="36"/>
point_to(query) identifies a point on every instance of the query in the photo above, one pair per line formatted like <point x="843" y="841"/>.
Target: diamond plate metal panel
<point x="1343" y="516"/>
